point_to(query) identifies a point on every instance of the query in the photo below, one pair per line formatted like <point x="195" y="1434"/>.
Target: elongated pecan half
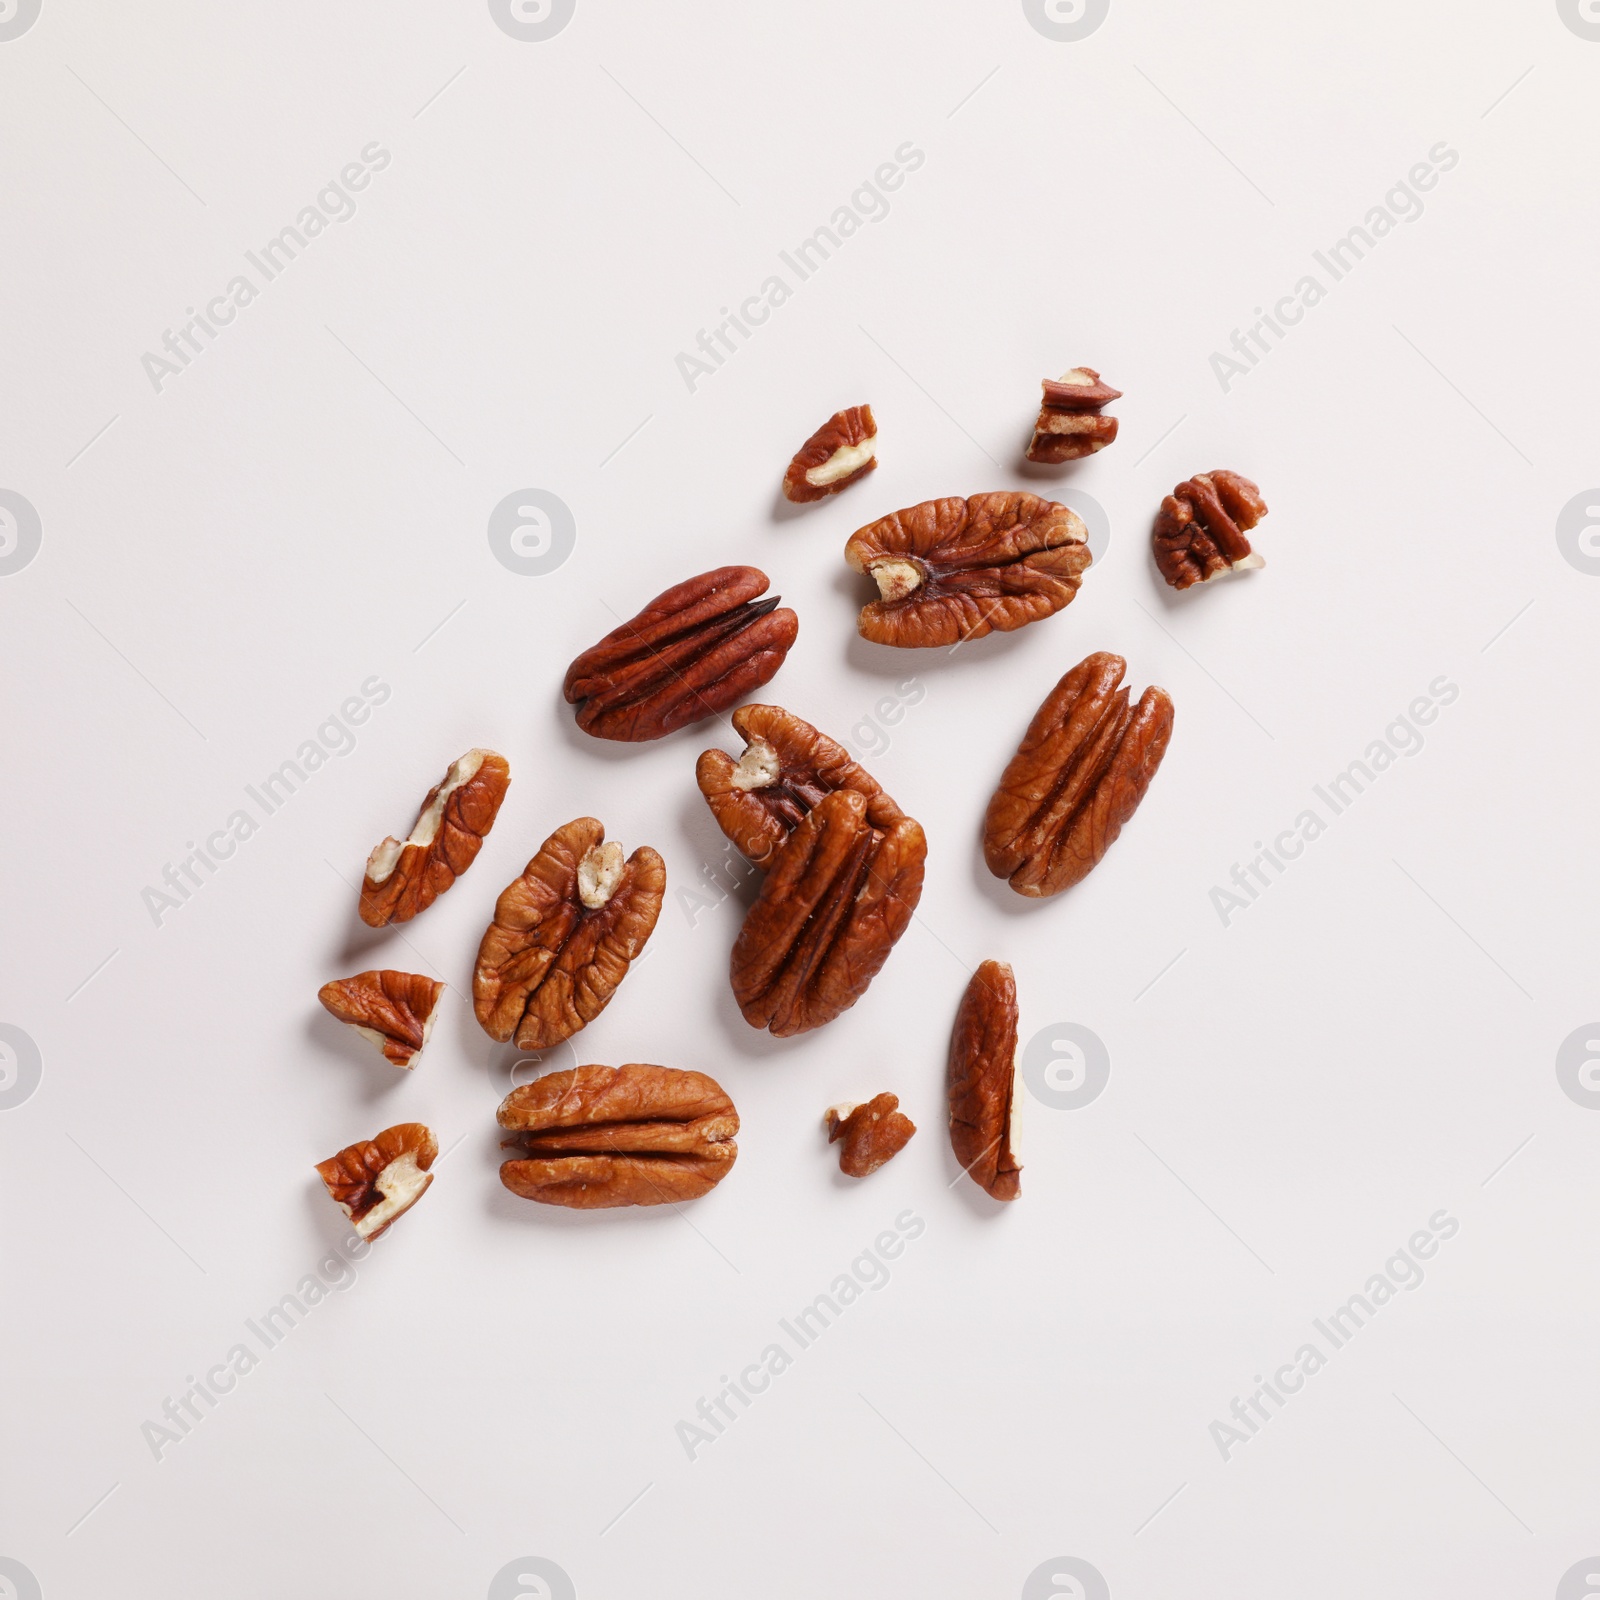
<point x="1199" y="532"/>
<point x="1070" y="425"/>
<point x="379" y="1179"/>
<point x="837" y="896"/>
<point x="1081" y="770"/>
<point x="983" y="1075"/>
<point x="395" y="1010"/>
<point x="949" y="570"/>
<point x="636" y="1135"/>
<point x="843" y="449"/>
<point x="869" y="1135"/>
<point x="564" y="935"/>
<point x="406" y="877"/>
<point x="692" y="652"/>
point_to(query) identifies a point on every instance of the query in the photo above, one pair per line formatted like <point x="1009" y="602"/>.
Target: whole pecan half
<point x="692" y="652"/>
<point x="843" y="449"/>
<point x="868" y="1135"/>
<point x="564" y="935"/>
<point x="1070" y="425"/>
<point x="618" y="1136"/>
<point x="837" y="896"/>
<point x="949" y="570"/>
<point x="1199" y="532"/>
<point x="378" y="1179"/>
<point x="406" y="877"/>
<point x="395" y="1010"/>
<point x="983" y="1072"/>
<point x="1080" y="772"/>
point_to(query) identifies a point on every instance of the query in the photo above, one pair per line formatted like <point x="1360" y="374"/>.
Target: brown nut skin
<point x="692" y="652"/>
<point x="949" y="570"/>
<point x="1199" y="532"/>
<point x="868" y="1135"/>
<point x="1081" y="770"/>
<point x="550" y="960"/>
<point x="635" y="1135"/>
<point x="1070" y="425"/>
<point x="393" y="1009"/>
<point x="983" y="1071"/>
<point x="842" y="450"/>
<point x="379" y="1179"/>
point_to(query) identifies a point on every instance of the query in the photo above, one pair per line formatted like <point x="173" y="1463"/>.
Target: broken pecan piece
<point x="636" y="1135"/>
<point x="378" y="1179"/>
<point x="564" y="935"/>
<point x="983" y="1074"/>
<point x="1199" y="532"/>
<point x="1070" y="425"/>
<point x="1081" y="770"/>
<point x="395" y="1010"/>
<point x="871" y="1134"/>
<point x="405" y="878"/>
<point x="949" y="570"/>
<point x="692" y="652"/>
<point x="843" y="449"/>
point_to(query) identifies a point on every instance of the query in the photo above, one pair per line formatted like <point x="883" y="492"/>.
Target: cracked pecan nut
<point x="869" y="1134"/>
<point x="405" y="877"/>
<point x="983" y="1075"/>
<point x="1070" y="425"/>
<point x="843" y="449"/>
<point x="636" y="1135"/>
<point x="395" y="1010"/>
<point x="378" y="1179"/>
<point x="837" y="896"/>
<point x="1080" y="772"/>
<point x="691" y="653"/>
<point x="1199" y="532"/>
<point x="564" y="935"/>
<point x="949" y="570"/>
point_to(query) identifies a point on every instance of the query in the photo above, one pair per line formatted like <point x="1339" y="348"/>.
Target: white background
<point x="1291" y="1096"/>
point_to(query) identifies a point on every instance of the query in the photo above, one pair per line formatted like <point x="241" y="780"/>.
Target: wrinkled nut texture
<point x="564" y="935"/>
<point x="618" y="1136"/>
<point x="868" y="1135"/>
<point x="949" y="570"/>
<point x="1081" y="770"/>
<point x="1199" y="532"/>
<point x="691" y="653"/>
<point x="1070" y="425"/>
<point x="843" y="449"/>
<point x="983" y="1072"/>
<point x="395" y="1010"/>
<point x="406" y="876"/>
<point x="379" y="1179"/>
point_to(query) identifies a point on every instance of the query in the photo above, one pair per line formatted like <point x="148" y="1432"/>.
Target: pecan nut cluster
<point x="982" y="1081"/>
<point x="395" y="1010"/>
<point x="868" y="1135"/>
<point x="1070" y="425"/>
<point x="842" y="450"/>
<point x="376" y="1180"/>
<point x="1200" y="530"/>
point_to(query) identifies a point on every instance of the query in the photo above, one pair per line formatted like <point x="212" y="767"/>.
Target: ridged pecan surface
<point x="869" y="1134"/>
<point x="1199" y="532"/>
<point x="379" y="1179"/>
<point x="842" y="450"/>
<point x="395" y="1010"/>
<point x="1070" y="425"/>
<point x="983" y="1071"/>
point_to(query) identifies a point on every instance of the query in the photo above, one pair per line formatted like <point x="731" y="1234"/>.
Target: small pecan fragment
<point x="378" y="1179"/>
<point x="869" y="1134"/>
<point x="692" y="652"/>
<point x="395" y="1010"/>
<point x="636" y="1135"/>
<point x="1200" y="529"/>
<point x="1070" y="425"/>
<point x="983" y="1072"/>
<point x="404" y="878"/>
<point x="949" y="570"/>
<point x="843" y="449"/>
<point x="1080" y="772"/>
<point x="564" y="935"/>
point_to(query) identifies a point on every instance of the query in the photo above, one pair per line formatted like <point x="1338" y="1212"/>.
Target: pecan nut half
<point x="403" y="878"/>
<point x="395" y="1010"/>
<point x="691" y="653"/>
<point x="1070" y="425"/>
<point x="843" y="449"/>
<point x="1080" y="772"/>
<point x="870" y="1134"/>
<point x="378" y="1179"/>
<point x="983" y="1075"/>
<point x="1199" y="532"/>
<point x="949" y="570"/>
<point x="636" y="1135"/>
<point x="564" y="935"/>
<point x="837" y="896"/>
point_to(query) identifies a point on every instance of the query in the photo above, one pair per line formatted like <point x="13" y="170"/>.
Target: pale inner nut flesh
<point x="758" y="768"/>
<point x="897" y="579"/>
<point x="846" y="459"/>
<point x="599" y="873"/>
<point x="384" y="858"/>
<point x="401" y="1184"/>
